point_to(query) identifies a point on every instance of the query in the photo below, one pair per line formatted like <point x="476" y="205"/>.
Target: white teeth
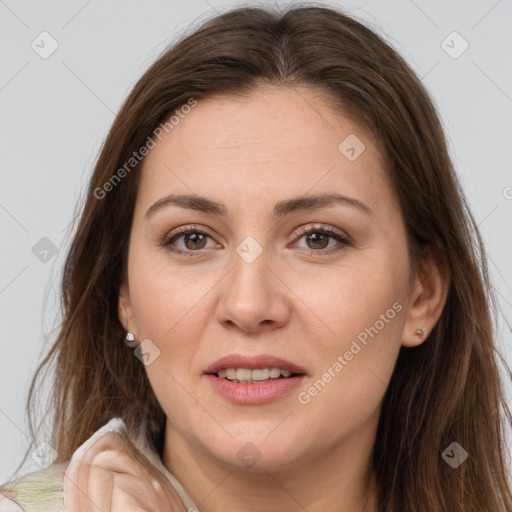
<point x="275" y="373"/>
<point x="245" y="374"/>
<point x="262" y="374"/>
<point x="230" y="373"/>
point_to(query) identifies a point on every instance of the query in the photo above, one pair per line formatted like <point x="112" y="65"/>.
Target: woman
<point x="275" y="230"/>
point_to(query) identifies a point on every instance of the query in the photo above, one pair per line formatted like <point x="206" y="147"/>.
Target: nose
<point x="254" y="297"/>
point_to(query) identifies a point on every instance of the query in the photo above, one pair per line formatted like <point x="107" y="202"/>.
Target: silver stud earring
<point x="129" y="340"/>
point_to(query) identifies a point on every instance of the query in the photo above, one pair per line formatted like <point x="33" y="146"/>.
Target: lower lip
<point x="249" y="394"/>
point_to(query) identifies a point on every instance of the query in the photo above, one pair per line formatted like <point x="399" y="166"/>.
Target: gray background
<point x="55" y="112"/>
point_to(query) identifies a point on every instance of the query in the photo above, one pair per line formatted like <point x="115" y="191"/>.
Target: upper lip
<point x="253" y="362"/>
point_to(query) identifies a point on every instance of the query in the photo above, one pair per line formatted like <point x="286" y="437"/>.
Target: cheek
<point x="170" y="310"/>
<point x="168" y="300"/>
<point x="349" y="298"/>
<point x="362" y="315"/>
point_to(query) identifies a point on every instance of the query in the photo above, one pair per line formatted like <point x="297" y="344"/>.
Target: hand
<point x="112" y="475"/>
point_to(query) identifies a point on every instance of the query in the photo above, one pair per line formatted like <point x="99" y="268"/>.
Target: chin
<point x="258" y="454"/>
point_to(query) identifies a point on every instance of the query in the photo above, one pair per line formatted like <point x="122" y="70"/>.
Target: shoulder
<point x="35" y="491"/>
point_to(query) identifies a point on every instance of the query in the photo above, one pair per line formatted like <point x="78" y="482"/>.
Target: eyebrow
<point x="281" y="209"/>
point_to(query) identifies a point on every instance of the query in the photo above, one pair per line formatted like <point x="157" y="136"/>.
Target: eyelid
<point x="319" y="227"/>
<point x="187" y="228"/>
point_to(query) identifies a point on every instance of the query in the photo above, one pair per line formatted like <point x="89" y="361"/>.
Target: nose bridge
<point x="253" y="296"/>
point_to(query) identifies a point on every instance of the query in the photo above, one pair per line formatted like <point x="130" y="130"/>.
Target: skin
<point x="249" y="153"/>
<point x="112" y="475"/>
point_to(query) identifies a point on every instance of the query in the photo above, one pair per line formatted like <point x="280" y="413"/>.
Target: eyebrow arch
<point x="281" y="209"/>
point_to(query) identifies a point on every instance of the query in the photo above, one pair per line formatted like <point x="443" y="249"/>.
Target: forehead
<point x="271" y="142"/>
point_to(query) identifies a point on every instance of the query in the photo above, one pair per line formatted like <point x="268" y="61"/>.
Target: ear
<point x="125" y="310"/>
<point x="427" y="298"/>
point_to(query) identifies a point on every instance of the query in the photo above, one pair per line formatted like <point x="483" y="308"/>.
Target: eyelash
<point x="323" y="229"/>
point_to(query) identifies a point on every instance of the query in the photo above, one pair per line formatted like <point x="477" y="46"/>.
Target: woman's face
<point x="249" y="282"/>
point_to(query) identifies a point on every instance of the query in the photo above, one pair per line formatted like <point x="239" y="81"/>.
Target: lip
<point x="252" y="363"/>
<point x="252" y="394"/>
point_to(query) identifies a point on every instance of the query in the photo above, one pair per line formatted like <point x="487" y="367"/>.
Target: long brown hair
<point x="446" y="390"/>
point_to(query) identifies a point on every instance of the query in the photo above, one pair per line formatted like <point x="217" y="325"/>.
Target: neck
<point x="338" y="479"/>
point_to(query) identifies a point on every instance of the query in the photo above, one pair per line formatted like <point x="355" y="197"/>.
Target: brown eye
<point x="318" y="238"/>
<point x="197" y="240"/>
<point x="193" y="241"/>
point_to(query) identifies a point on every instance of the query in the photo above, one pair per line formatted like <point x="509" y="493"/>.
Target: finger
<point x="120" y="462"/>
<point x="116" y="452"/>
<point x="76" y="493"/>
<point x="88" y="489"/>
<point x="101" y="487"/>
<point x="149" y="494"/>
<point x="130" y="494"/>
<point x="75" y="483"/>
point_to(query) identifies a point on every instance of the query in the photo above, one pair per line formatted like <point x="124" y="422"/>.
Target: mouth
<point x="254" y="376"/>
<point x="254" y="380"/>
<point x="250" y="369"/>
